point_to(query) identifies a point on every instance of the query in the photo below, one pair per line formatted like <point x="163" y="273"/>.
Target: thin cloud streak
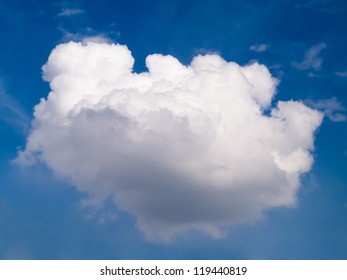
<point x="12" y="113"/>
<point x="342" y="74"/>
<point x="68" y="12"/>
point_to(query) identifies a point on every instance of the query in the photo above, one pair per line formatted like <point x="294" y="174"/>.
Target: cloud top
<point x="179" y="147"/>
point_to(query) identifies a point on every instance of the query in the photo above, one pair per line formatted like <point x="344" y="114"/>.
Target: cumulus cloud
<point x="311" y="61"/>
<point x="179" y="147"/>
<point x="259" y="48"/>
<point x="331" y="107"/>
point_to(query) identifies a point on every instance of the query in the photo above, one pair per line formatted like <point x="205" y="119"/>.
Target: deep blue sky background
<point x="41" y="216"/>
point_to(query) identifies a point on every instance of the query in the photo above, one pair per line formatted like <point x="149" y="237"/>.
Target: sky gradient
<point x="302" y="44"/>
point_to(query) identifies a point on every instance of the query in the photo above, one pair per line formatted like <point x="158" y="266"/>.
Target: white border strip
<point x="156" y="269"/>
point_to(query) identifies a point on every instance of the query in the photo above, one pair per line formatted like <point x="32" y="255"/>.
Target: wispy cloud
<point x="342" y="74"/>
<point x="311" y="61"/>
<point x="311" y="3"/>
<point x="259" y="47"/>
<point x="322" y="6"/>
<point x="12" y="113"/>
<point x="331" y="107"/>
<point x="68" y="12"/>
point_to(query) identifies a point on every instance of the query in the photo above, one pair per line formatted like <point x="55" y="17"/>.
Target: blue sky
<point x="303" y="45"/>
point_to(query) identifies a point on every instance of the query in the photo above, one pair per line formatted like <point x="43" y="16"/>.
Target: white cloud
<point x="179" y="147"/>
<point x="311" y="58"/>
<point x="68" y="12"/>
<point x="331" y="107"/>
<point x="259" y="48"/>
